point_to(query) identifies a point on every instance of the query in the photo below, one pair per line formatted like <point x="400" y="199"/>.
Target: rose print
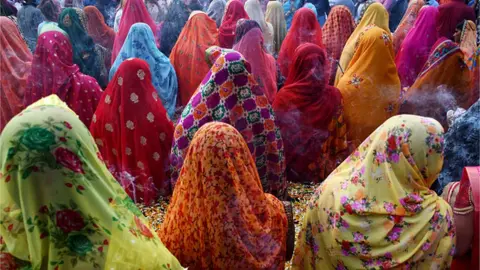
<point x="79" y="244"/>
<point x="69" y="220"/>
<point x="68" y="159"/>
<point x="37" y="138"/>
<point x="7" y="261"/>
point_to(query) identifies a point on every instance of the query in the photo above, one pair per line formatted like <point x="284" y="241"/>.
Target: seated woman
<point x="60" y="206"/>
<point x="376" y="209"/>
<point x="310" y="115"/>
<point x="219" y="216"/>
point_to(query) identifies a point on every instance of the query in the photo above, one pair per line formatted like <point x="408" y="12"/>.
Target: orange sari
<point x="219" y="217"/>
<point x="370" y="86"/>
<point x="188" y="54"/>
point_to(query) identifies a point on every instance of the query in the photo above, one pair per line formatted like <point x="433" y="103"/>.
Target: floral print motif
<point x="356" y="80"/>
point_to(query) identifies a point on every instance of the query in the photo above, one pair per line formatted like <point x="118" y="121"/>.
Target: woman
<point x="376" y="209"/>
<point x="336" y="31"/>
<point x="312" y="8"/>
<point x="53" y="72"/>
<point x="89" y="57"/>
<point x="29" y="17"/>
<point x="219" y="186"/>
<point x="100" y="32"/>
<point x="188" y="54"/>
<point x="133" y="12"/>
<point x="118" y="16"/>
<point x="468" y="39"/>
<point x="59" y="204"/>
<point x="255" y="12"/>
<point x="290" y="7"/>
<point x="406" y="23"/>
<point x="305" y="29"/>
<point x="450" y="14"/>
<point x="7" y="9"/>
<point x="127" y="126"/>
<point x="230" y="94"/>
<point x="51" y="10"/>
<point x="226" y="32"/>
<point x="15" y="65"/>
<point x="164" y="79"/>
<point x="263" y="64"/>
<point x="155" y="10"/>
<point x="370" y="86"/>
<point x="215" y="11"/>
<point x="310" y="115"/>
<point x="375" y="14"/>
<point x="275" y="16"/>
<point x="443" y="84"/>
<point x="243" y="27"/>
<point x="416" y="47"/>
<point x="474" y="67"/>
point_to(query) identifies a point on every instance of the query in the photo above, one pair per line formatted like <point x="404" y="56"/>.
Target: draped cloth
<point x="263" y="64"/>
<point x="53" y="72"/>
<point x="219" y="186"/>
<point x="443" y="84"/>
<point x="50" y="9"/>
<point x="216" y="10"/>
<point x="188" y="54"/>
<point x="140" y="43"/>
<point x="230" y="94"/>
<point x="276" y="17"/>
<point x="100" y="32"/>
<point x="473" y="64"/>
<point x="60" y="206"/>
<point x="255" y="12"/>
<point x="451" y="14"/>
<point x="133" y="132"/>
<point x="416" y="46"/>
<point x="310" y="115"/>
<point x="243" y="27"/>
<point x="29" y="17"/>
<point x="226" y="32"/>
<point x="375" y="14"/>
<point x="468" y="39"/>
<point x="336" y="31"/>
<point x="370" y="86"/>
<point x="376" y="209"/>
<point x="305" y="29"/>
<point x="406" y="23"/>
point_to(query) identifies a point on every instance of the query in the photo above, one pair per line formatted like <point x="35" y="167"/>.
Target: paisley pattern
<point x="442" y="51"/>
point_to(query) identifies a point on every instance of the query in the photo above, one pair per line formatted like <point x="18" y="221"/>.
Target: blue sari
<point x="289" y="7"/>
<point x="140" y="43"/>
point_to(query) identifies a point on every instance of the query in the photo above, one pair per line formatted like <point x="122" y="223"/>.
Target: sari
<point x="15" y="65"/>
<point x="443" y="84"/>
<point x="312" y="8"/>
<point x="28" y="19"/>
<point x="263" y="64"/>
<point x="53" y="72"/>
<point x="451" y="14"/>
<point x="188" y="54"/>
<point x="140" y="43"/>
<point x="305" y="29"/>
<point x="376" y="209"/>
<point x="100" y="32"/>
<point x="309" y="113"/>
<point x="60" y="207"/>
<point x="226" y="32"/>
<point x="474" y="67"/>
<point x="134" y="11"/>
<point x="133" y="132"/>
<point x="375" y="14"/>
<point x="416" y="47"/>
<point x="290" y="7"/>
<point x="86" y="54"/>
<point x="370" y="86"/>
<point x="243" y="27"/>
<point x="406" y="23"/>
<point x="255" y="12"/>
<point x="50" y="9"/>
<point x="276" y="17"/>
<point x="468" y="39"/>
<point x="216" y="10"/>
<point x="336" y="31"/>
<point x="230" y="94"/>
<point x="219" y="186"/>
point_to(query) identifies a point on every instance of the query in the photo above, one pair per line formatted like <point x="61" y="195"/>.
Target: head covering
<point x="451" y="14"/>
<point x="310" y="114"/>
<point x="133" y="132"/>
<point x="220" y="186"/>
<point x="417" y="45"/>
<point x="100" y="32"/>
<point x="375" y="14"/>
<point x="376" y="209"/>
<point x="134" y="11"/>
<point x="229" y="94"/>
<point x="188" y="54"/>
<point x="15" y="64"/>
<point x="53" y="72"/>
<point x="60" y="206"/>
<point x="29" y="17"/>
<point x="275" y="16"/>
<point x="86" y="55"/>
<point x="305" y="29"/>
<point x="290" y="7"/>
<point x="311" y="7"/>
<point x="443" y="84"/>
<point x="468" y="40"/>
<point x="264" y="68"/>
<point x="140" y="43"/>
<point x="7" y="9"/>
<point x="50" y="9"/>
<point x="243" y="27"/>
<point x="406" y="23"/>
<point x="360" y="8"/>
<point x="336" y="31"/>
<point x="255" y="12"/>
<point x="226" y="32"/>
<point x="215" y="11"/>
<point x="473" y="64"/>
<point x="372" y="72"/>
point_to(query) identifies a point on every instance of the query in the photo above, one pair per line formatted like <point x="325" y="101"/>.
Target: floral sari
<point x="60" y="208"/>
<point x="376" y="211"/>
<point x="406" y="23"/>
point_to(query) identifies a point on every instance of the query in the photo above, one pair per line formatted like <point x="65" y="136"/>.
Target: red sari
<point x="226" y="32"/>
<point x="100" y="32"/>
<point x="133" y="132"/>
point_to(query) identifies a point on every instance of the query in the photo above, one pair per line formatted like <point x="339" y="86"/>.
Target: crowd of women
<point x="220" y="105"/>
